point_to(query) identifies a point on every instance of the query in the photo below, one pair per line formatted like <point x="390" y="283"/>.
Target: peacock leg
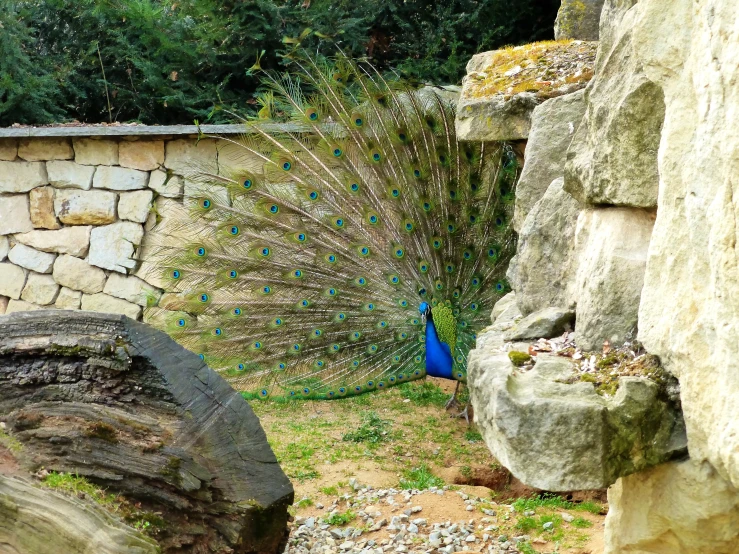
<point x="453" y="402"/>
<point x="466" y="413"/>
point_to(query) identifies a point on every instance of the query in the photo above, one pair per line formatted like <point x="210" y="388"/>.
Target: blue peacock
<point x="358" y="245"/>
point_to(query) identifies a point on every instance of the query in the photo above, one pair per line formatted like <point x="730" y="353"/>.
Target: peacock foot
<point x="467" y="413"/>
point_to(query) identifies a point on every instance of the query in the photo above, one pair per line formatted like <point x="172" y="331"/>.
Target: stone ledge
<point x="131" y="130"/>
<point x="557" y="436"/>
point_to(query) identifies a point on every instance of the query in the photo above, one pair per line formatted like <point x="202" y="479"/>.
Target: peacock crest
<point x="300" y="270"/>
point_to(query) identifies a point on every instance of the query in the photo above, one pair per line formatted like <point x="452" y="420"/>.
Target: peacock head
<point x="424" y="308"/>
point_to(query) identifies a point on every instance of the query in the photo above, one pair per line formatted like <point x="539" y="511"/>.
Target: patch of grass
<point x="424" y="393"/>
<point x="297" y="451"/>
<point x="341" y="519"/>
<point x="329" y="491"/>
<point x="304" y="474"/>
<point x="79" y="486"/>
<point x="420" y="478"/>
<point x="554" y="502"/>
<point x="581" y="523"/>
<point x="472" y="435"/>
<point x="526" y="524"/>
<point x="304" y="503"/>
<point x="466" y="471"/>
<point x="373" y="430"/>
<point x="526" y="548"/>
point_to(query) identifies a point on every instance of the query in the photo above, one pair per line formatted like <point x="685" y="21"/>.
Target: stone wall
<point x="74" y="211"/>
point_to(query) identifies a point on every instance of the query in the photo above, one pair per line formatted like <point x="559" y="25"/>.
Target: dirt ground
<point x="405" y="436"/>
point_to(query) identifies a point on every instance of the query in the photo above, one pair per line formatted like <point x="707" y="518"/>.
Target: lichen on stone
<point x="547" y="69"/>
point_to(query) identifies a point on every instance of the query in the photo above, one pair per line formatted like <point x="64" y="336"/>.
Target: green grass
<point x="304" y="503"/>
<point x="526" y="524"/>
<point x="76" y="485"/>
<point x="526" y="548"/>
<point x="555" y="502"/>
<point x="340" y="519"/>
<point x="372" y="430"/>
<point x="581" y="523"/>
<point x="330" y="491"/>
<point x="420" y="478"/>
<point x="472" y="435"/>
<point x="424" y="393"/>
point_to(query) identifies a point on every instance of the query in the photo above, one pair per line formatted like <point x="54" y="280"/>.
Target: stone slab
<point x="12" y="280"/>
<point x="85" y="207"/>
<point x="77" y="274"/>
<point x="22" y="176"/>
<point x="135" y="206"/>
<point x="30" y="258"/>
<point x="95" y="152"/>
<point x="15" y="214"/>
<point x="64" y="174"/>
<point x="68" y="299"/>
<point x="42" y="208"/>
<point x="119" y="178"/>
<point x="68" y="240"/>
<point x="44" y="149"/>
<point x="112" y="246"/>
<point x="40" y="289"/>
<point x="105" y="303"/>
<point x="141" y="154"/>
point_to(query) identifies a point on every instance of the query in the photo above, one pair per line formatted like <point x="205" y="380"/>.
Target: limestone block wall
<point x="74" y="211"/>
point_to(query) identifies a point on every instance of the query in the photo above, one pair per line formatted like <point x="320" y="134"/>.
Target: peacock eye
<point x="337" y="152"/>
<point x="247" y="183"/>
<point x="287" y="166"/>
<point x="234" y="230"/>
<point x="175" y="274"/>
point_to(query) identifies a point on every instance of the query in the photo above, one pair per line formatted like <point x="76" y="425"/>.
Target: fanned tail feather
<point x="300" y="269"/>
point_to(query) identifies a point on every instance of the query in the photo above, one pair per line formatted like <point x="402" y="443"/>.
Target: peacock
<point x="355" y="245"/>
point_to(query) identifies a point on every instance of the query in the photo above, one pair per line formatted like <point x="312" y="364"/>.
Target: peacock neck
<point x="438" y="354"/>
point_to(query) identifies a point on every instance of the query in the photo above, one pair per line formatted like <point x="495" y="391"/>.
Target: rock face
<point x="557" y="436"/>
<point x="553" y="124"/>
<point x="85" y="207"/>
<point x="543" y="272"/>
<point x="690" y="302"/>
<point x="127" y="408"/>
<point x="613" y="157"/>
<point x="679" y="507"/>
<point x="45" y="522"/>
<point x="578" y="19"/>
<point x="613" y="244"/>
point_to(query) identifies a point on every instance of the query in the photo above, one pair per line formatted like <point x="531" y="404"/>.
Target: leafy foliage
<point x="173" y="61"/>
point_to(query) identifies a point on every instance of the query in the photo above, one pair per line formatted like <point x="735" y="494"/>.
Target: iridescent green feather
<point x="299" y="269"/>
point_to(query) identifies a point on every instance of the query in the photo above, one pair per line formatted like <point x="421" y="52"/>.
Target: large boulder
<point x="689" y="311"/>
<point x="125" y="407"/>
<point x="613" y="157"/>
<point x="543" y="271"/>
<point x="679" y="507"/>
<point x="553" y="123"/>
<point x="579" y="19"/>
<point x="612" y="246"/>
<point x="559" y="435"/>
